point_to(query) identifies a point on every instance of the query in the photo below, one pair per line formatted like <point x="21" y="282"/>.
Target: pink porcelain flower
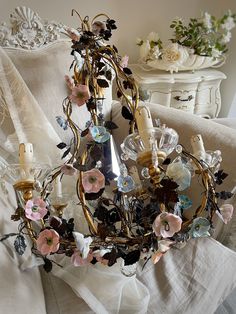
<point x="69" y="82"/>
<point x="163" y="247"/>
<point x="166" y="225"/>
<point x="80" y="94"/>
<point x="226" y="212"/>
<point x="35" y="209"/>
<point x="73" y="33"/>
<point x="68" y="170"/>
<point x="93" y="181"/>
<point x="77" y="259"/>
<point x="48" y="241"/>
<point x="124" y="61"/>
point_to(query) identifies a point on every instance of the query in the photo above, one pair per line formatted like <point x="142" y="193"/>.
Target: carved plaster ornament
<point x="28" y="30"/>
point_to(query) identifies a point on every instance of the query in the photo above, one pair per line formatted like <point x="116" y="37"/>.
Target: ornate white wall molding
<point x="28" y="31"/>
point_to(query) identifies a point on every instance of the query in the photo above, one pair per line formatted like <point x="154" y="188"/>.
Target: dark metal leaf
<point x="84" y="132"/>
<point x="20" y="244"/>
<point x="108" y="75"/>
<point x="127" y="71"/>
<point x="65" y="153"/>
<point x="119" y="94"/>
<point x="224" y="195"/>
<point x="102" y="83"/>
<point x="111" y="257"/>
<point x="126" y="113"/>
<point x="132" y="257"/>
<point x="110" y="125"/>
<point x="61" y="145"/>
<point x="96" y="153"/>
<point x="220" y="176"/>
<point x="167" y="161"/>
<point x="93" y="196"/>
<point x="114" y="47"/>
<point x="47" y="265"/>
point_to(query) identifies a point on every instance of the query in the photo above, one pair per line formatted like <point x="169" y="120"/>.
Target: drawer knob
<point x="178" y="98"/>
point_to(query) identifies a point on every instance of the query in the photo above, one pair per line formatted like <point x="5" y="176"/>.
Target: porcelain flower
<point x="93" y="181"/>
<point x="125" y="184"/>
<point x="174" y="55"/>
<point x="163" y="247"/>
<point x="98" y="254"/>
<point x="166" y="225"/>
<point x="68" y="170"/>
<point x="82" y="243"/>
<point x="77" y="259"/>
<point x="69" y="82"/>
<point x="200" y="228"/>
<point x="100" y="134"/>
<point x="80" y="94"/>
<point x="79" y="60"/>
<point x="124" y="61"/>
<point x="97" y="27"/>
<point x="178" y="172"/>
<point x="73" y="33"/>
<point x="48" y="241"/>
<point x="226" y="212"/>
<point x="35" y="209"/>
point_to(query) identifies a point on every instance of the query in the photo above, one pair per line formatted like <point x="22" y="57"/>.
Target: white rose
<point x="229" y="23"/>
<point x="144" y="50"/>
<point x="175" y="55"/>
<point x="153" y="37"/>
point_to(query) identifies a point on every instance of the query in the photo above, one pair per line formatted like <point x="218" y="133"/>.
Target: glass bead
<point x="124" y="157"/>
<point x="129" y="270"/>
<point x="37" y="186"/>
<point x="179" y="149"/>
<point x="145" y="173"/>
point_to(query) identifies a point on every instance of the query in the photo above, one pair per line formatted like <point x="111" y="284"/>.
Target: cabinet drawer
<point x="183" y="100"/>
<point x="160" y="98"/>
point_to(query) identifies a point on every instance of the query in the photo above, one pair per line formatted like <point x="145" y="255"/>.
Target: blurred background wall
<point x="136" y="18"/>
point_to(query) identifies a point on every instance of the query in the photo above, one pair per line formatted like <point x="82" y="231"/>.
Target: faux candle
<point x="145" y="125"/>
<point x="26" y="156"/>
<point x="198" y="146"/>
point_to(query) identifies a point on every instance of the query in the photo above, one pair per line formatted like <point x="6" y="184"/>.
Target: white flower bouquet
<point x="200" y="44"/>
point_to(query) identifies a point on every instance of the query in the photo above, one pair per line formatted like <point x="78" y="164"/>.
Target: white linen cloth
<point x="106" y="290"/>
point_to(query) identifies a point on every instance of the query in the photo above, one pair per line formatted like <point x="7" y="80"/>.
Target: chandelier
<point x="134" y="203"/>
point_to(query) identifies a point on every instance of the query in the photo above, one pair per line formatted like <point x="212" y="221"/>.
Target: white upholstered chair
<point x="205" y="274"/>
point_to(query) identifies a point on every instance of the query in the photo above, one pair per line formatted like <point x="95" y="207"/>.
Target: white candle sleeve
<point x="144" y="123"/>
<point x="26" y="156"/>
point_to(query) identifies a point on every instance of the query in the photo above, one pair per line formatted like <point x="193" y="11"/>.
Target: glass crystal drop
<point x="179" y="149"/>
<point x="145" y="173"/>
<point x="124" y="157"/>
<point x="37" y="186"/>
<point x="99" y="164"/>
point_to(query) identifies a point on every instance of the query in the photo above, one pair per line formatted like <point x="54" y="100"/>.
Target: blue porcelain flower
<point x="200" y="228"/>
<point x="184" y="201"/>
<point x="99" y="134"/>
<point x="125" y="184"/>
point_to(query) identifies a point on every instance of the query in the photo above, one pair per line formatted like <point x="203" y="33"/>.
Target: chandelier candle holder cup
<point x="133" y="213"/>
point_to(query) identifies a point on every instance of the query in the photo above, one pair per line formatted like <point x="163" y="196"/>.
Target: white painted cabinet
<point x="197" y="93"/>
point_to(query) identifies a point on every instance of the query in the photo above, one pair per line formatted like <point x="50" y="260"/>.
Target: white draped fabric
<point x="185" y="281"/>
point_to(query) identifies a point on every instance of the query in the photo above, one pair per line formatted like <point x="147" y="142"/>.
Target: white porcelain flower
<point x="144" y="50"/>
<point x="174" y="55"/>
<point x="82" y="243"/>
<point x="153" y="37"/>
